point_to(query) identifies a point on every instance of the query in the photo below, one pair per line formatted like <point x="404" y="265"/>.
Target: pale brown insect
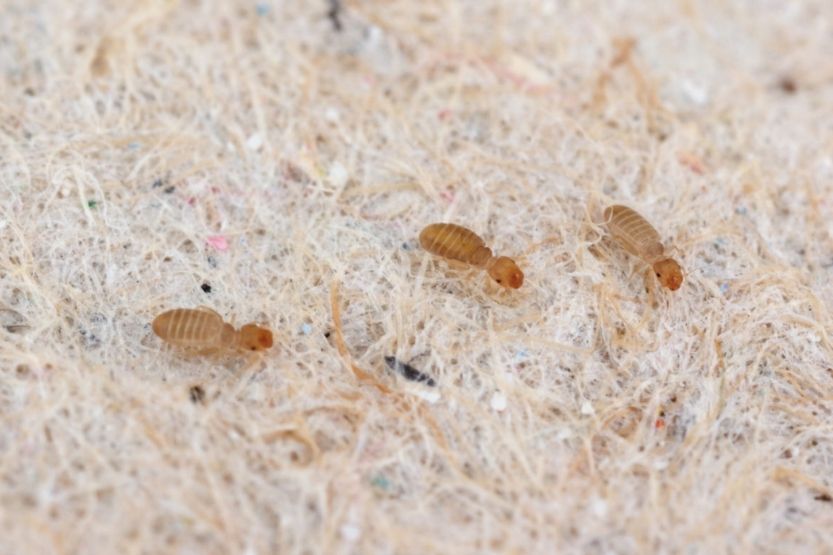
<point x="455" y="242"/>
<point x="203" y="330"/>
<point x="639" y="238"/>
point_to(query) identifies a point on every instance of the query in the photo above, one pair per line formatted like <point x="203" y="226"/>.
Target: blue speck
<point x="740" y="210"/>
<point x="262" y="9"/>
<point x="724" y="288"/>
<point x="133" y="146"/>
<point x="306" y="329"/>
<point x="520" y="355"/>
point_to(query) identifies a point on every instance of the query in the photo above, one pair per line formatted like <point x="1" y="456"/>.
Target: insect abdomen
<point x="189" y="328"/>
<point x="633" y="232"/>
<point x="456" y="243"/>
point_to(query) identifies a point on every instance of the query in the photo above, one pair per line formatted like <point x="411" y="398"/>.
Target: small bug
<point x="204" y="330"/>
<point x="639" y="238"/>
<point x="455" y="242"/>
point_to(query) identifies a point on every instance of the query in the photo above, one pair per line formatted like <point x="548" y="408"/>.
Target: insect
<point x="204" y="330"/>
<point x="455" y="242"/>
<point x="409" y="371"/>
<point x="639" y="238"/>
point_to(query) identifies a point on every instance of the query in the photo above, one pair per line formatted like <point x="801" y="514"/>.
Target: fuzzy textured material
<point x="276" y="161"/>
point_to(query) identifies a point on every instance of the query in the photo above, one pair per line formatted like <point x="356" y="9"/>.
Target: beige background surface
<point x="150" y="147"/>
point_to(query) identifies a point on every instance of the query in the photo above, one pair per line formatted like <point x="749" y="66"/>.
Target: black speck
<point x="196" y="393"/>
<point x="334" y="14"/>
<point x="212" y="261"/>
<point x="157" y="184"/>
<point x="205" y="287"/>
<point x="824" y="497"/>
<point x="29" y="91"/>
<point x="170" y="189"/>
<point x="408" y="371"/>
<point x="327" y="334"/>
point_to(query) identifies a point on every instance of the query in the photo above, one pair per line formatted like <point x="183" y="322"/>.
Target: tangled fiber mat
<point x="276" y="161"/>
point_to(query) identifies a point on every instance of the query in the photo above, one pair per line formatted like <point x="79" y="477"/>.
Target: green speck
<point x="380" y="482"/>
<point x="92" y="203"/>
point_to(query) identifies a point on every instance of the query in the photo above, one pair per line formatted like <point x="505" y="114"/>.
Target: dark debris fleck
<point x="334" y="14"/>
<point x="205" y="287"/>
<point x="788" y="85"/>
<point x="196" y="393"/>
<point x="408" y="371"/>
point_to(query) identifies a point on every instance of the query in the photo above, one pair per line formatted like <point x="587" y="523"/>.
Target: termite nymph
<point x="455" y="242"/>
<point x="639" y="238"/>
<point x="204" y="330"/>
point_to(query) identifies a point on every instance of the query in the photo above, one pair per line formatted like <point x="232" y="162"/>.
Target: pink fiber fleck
<point x="218" y="242"/>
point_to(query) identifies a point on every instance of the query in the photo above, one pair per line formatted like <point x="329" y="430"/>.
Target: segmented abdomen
<point x="633" y="232"/>
<point x="189" y="328"/>
<point x="455" y="242"/>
